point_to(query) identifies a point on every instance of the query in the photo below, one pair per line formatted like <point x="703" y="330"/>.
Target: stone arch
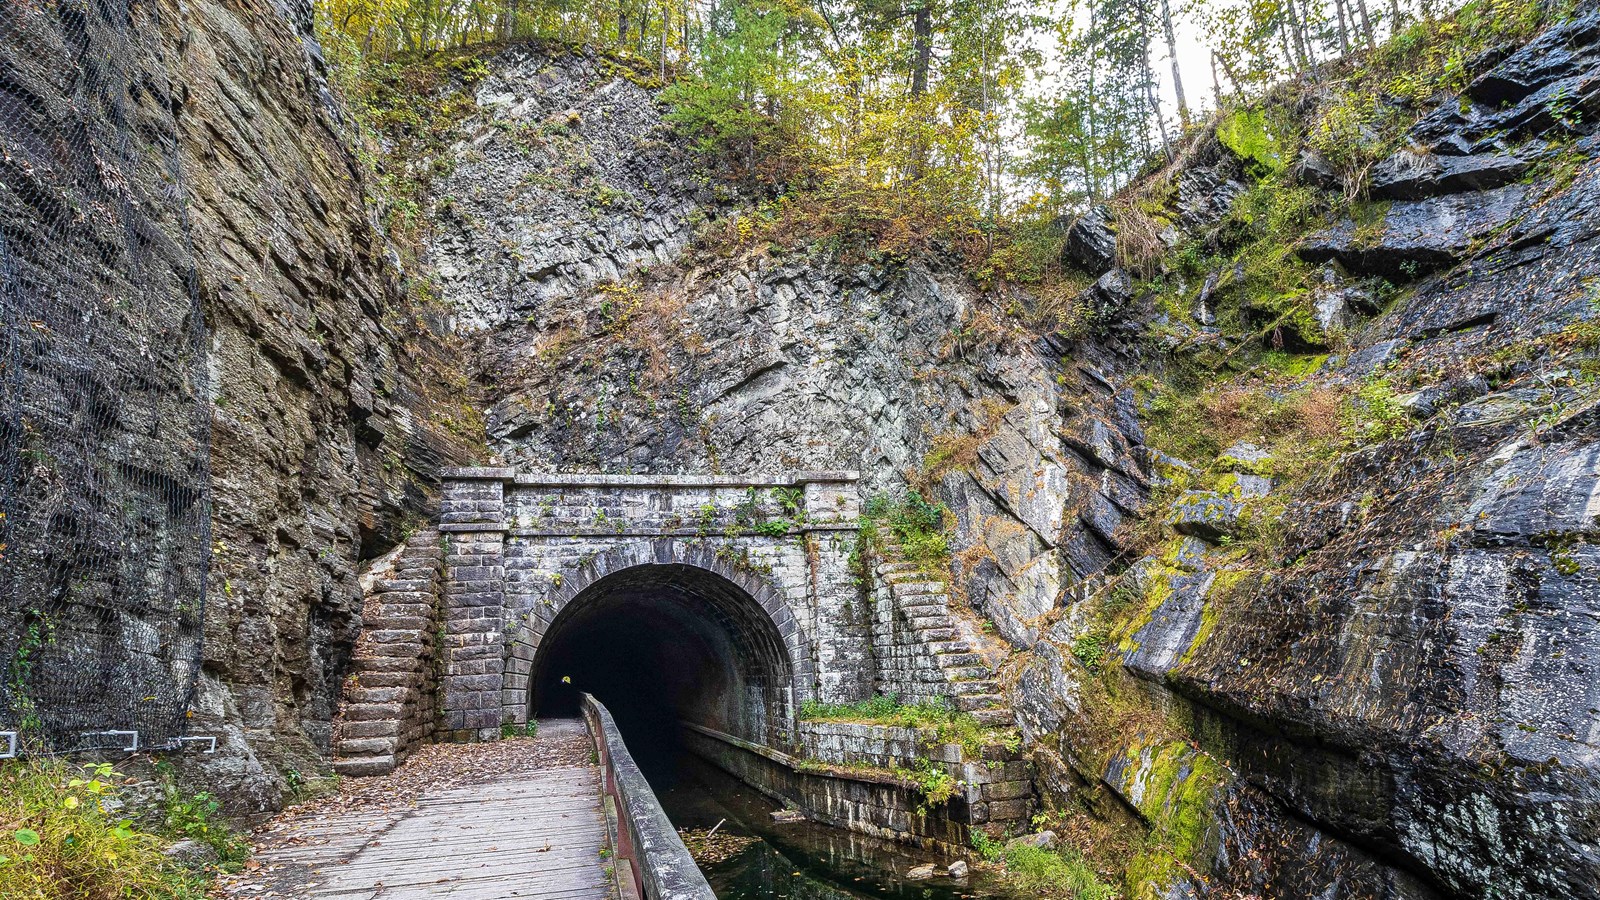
<point x="743" y="604"/>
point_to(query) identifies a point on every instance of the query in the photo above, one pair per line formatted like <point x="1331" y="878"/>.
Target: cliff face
<point x="1375" y="679"/>
<point x="1371" y="680"/>
<point x="609" y="340"/>
<point x="321" y="436"/>
<point x="1397" y="649"/>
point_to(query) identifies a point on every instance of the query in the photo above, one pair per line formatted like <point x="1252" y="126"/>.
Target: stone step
<point x="936" y="620"/>
<point x="994" y="718"/>
<point x="923" y="608"/>
<point x="982" y="687"/>
<point x="939" y="648"/>
<point x="898" y="567"/>
<point x="948" y="660"/>
<point x="918" y="587"/>
<point x="938" y="635"/>
<point x="364" y="766"/>
<point x="974" y="702"/>
<point x="966" y="673"/>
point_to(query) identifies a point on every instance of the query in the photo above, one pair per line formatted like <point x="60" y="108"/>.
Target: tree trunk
<point x="1172" y="54"/>
<point x="1344" y="28"/>
<point x="1090" y="174"/>
<point x="1366" y="25"/>
<point x="1302" y="38"/>
<point x="1152" y="103"/>
<point x="1227" y="69"/>
<point x="921" y="49"/>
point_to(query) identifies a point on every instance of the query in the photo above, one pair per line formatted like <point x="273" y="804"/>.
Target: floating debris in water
<point x="713" y="846"/>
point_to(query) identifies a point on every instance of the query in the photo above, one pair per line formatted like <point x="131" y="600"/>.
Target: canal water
<point x="798" y="861"/>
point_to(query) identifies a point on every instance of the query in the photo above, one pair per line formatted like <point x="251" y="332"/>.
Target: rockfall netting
<point x="104" y="404"/>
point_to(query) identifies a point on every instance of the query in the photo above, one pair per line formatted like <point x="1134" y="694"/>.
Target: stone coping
<point x="803" y="767"/>
<point x="666" y="869"/>
<point x="551" y="479"/>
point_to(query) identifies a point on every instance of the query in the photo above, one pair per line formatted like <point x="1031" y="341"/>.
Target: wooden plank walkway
<point x="539" y="835"/>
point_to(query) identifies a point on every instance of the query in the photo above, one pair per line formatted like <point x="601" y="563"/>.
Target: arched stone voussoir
<point x="691" y="555"/>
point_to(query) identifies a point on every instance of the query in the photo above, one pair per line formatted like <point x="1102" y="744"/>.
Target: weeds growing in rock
<point x="1051" y="873"/>
<point x="62" y="835"/>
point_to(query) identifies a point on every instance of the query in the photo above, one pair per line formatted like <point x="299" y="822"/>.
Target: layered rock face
<point x="1414" y="672"/>
<point x="604" y="345"/>
<point x="1402" y="706"/>
<point x="331" y="417"/>
<point x="321" y="436"/>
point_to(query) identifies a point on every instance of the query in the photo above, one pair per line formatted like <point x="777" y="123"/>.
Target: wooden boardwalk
<point x="538" y="835"/>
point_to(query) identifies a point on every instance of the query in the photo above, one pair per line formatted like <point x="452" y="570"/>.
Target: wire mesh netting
<point x="104" y="408"/>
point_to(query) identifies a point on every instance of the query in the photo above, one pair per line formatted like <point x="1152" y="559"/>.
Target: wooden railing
<point x="651" y="862"/>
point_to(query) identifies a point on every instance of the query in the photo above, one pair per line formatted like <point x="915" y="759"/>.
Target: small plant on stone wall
<point x="705" y="518"/>
<point x="791" y="500"/>
<point x="528" y="730"/>
<point x="774" y="528"/>
<point x="989" y="849"/>
<point x="935" y="784"/>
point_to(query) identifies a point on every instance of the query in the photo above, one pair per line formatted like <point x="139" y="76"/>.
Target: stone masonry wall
<point x="997" y="785"/>
<point x="521" y="544"/>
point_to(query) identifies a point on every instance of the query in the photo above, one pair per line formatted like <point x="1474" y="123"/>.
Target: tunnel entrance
<point x="659" y="644"/>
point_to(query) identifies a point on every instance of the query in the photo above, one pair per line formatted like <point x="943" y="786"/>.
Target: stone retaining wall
<point x="843" y="779"/>
<point x="997" y="784"/>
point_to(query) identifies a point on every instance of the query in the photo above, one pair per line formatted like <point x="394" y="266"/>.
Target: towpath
<point x="510" y="819"/>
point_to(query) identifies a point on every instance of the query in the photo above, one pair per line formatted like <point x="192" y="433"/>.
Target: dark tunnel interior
<point x="663" y="643"/>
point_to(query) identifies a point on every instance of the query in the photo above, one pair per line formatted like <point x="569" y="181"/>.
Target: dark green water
<point x="800" y="861"/>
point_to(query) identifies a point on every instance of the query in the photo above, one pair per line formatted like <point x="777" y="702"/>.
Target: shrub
<point x="917" y="526"/>
<point x="59" y="840"/>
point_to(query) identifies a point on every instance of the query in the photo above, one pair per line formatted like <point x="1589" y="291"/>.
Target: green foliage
<point x="1090" y="649"/>
<point x="947" y="724"/>
<point x="916" y="525"/>
<point x="1374" y="414"/>
<point x="197" y="817"/>
<point x="528" y="730"/>
<point x="741" y="70"/>
<point x="987" y="848"/>
<point x="1247" y="133"/>
<point x="773" y="528"/>
<point x="932" y="781"/>
<point x="1055" y="873"/>
<point x="790" y="500"/>
<point x="59" y="840"/>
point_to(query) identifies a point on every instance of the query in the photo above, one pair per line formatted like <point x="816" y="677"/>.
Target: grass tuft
<point x="62" y="837"/>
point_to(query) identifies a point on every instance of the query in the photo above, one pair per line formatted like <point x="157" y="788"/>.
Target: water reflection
<point x="801" y="861"/>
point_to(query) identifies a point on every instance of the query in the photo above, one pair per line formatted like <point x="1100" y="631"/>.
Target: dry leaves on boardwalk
<point x="291" y="847"/>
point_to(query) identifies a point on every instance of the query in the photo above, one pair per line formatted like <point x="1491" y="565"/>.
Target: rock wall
<point x="325" y="433"/>
<point x="1396" y="697"/>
